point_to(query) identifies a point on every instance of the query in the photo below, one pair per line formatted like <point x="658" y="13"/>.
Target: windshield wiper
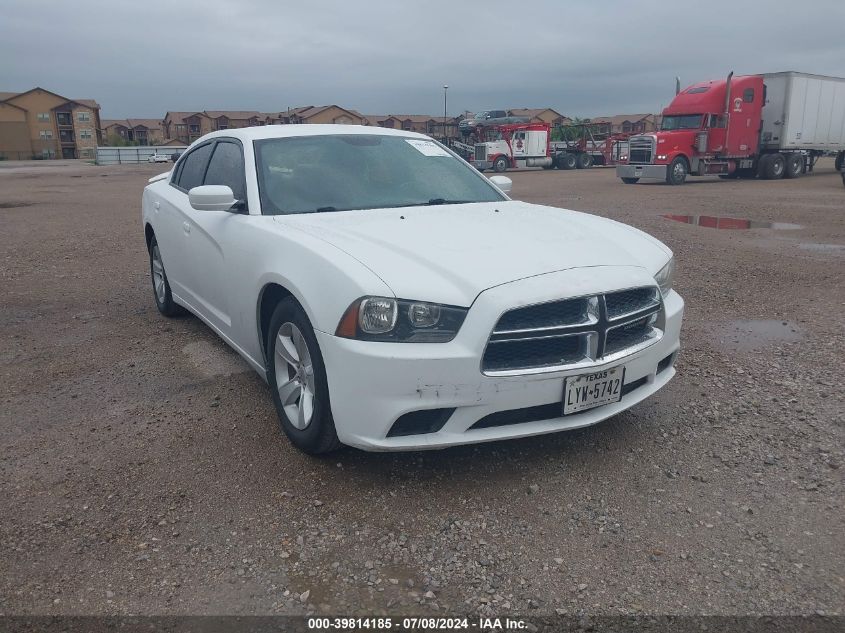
<point x="438" y="201"/>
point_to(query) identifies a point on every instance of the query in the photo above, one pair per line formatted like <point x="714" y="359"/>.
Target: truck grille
<point x="583" y="330"/>
<point x="641" y="149"/>
<point x="480" y="151"/>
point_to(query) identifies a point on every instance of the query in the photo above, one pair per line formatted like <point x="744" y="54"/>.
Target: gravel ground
<point x="143" y="470"/>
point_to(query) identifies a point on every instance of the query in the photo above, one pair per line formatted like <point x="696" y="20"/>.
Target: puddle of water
<point x="13" y="205"/>
<point x="832" y="249"/>
<point x="215" y="359"/>
<point x="721" y="222"/>
<point x="745" y="335"/>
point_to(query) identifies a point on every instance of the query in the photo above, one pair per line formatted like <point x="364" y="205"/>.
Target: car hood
<point x="451" y="253"/>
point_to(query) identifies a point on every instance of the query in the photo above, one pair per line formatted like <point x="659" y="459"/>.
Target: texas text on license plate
<point x="592" y="390"/>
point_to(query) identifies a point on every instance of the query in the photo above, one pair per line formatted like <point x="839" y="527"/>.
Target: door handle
<point x="157" y="205"/>
<point x="186" y="227"/>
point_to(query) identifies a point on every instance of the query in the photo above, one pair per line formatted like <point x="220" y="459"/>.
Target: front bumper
<point x="372" y="384"/>
<point x="482" y="164"/>
<point x="641" y="171"/>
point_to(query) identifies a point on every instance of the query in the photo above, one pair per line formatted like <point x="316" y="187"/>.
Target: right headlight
<point x="400" y="321"/>
<point x="665" y="276"/>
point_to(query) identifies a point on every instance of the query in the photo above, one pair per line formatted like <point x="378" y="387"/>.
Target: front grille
<point x="560" y="334"/>
<point x="480" y="151"/>
<point x="641" y="149"/>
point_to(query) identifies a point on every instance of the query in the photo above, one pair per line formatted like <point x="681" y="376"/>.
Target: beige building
<point x="541" y="115"/>
<point x="624" y="124"/>
<point x="187" y="127"/>
<point x="422" y="123"/>
<point x="140" y="131"/>
<point x="42" y="124"/>
<point x="322" y="114"/>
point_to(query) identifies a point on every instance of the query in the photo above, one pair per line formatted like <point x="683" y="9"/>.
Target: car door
<point x="175" y="213"/>
<point x="211" y="235"/>
<point x="172" y="214"/>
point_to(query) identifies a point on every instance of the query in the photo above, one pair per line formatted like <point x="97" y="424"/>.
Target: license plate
<point x="592" y="390"/>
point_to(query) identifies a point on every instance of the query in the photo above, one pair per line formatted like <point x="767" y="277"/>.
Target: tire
<point x="161" y="286"/>
<point x="839" y="161"/>
<point x="500" y="165"/>
<point x="772" y="166"/>
<point x="677" y="172"/>
<point x="794" y="165"/>
<point x="584" y="161"/>
<point x="296" y="372"/>
<point x="566" y="161"/>
<point x="843" y="178"/>
<point x="630" y="181"/>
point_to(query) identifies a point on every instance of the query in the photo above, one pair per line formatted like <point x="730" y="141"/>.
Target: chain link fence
<point x="134" y="155"/>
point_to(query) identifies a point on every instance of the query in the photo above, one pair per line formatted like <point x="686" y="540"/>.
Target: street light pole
<point x="445" y="133"/>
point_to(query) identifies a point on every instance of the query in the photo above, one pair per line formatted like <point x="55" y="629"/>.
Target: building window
<point x="85" y="134"/>
<point x="46" y="134"/>
<point x="83" y="117"/>
<point x="43" y="117"/>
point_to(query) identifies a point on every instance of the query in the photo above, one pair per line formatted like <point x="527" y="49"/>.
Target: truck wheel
<point x="677" y="172"/>
<point x="773" y="166"/>
<point x="794" y="165"/>
<point x="583" y="161"/>
<point x="500" y="164"/>
<point x="840" y="159"/>
<point x="630" y="181"/>
<point x="566" y="161"/>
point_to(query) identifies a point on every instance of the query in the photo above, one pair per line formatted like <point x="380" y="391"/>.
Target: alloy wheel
<point x="294" y="375"/>
<point x="158" y="276"/>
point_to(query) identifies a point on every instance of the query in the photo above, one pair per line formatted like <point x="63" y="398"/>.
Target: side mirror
<point x="212" y="198"/>
<point x="502" y="182"/>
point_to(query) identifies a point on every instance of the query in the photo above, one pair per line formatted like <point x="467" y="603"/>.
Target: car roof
<point x="293" y="130"/>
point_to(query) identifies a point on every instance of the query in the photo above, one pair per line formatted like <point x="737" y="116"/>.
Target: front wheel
<point x="677" y="172"/>
<point x="630" y="181"/>
<point x="500" y="164"/>
<point x="297" y="376"/>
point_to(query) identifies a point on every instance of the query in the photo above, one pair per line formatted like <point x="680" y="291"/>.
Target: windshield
<point x="681" y="122"/>
<point x="311" y="174"/>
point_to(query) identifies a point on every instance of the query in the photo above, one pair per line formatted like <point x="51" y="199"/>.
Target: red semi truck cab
<point x="702" y="132"/>
<point x="771" y="125"/>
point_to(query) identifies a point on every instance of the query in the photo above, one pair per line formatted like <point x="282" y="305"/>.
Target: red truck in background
<point x="769" y="126"/>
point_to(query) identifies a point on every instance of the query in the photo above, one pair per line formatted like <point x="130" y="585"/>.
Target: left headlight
<point x="400" y="321"/>
<point x="665" y="277"/>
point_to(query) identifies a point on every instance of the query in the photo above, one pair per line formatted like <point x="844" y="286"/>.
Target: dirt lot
<point x="142" y="469"/>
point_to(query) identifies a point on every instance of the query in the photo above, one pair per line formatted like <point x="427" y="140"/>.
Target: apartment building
<point x="422" y="123"/>
<point x="40" y="124"/>
<point x="187" y="127"/>
<point x="136" y="131"/>
<point x="624" y="124"/>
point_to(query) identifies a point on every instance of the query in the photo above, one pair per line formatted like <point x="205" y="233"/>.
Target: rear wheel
<point x="500" y="164"/>
<point x="297" y="376"/>
<point x="772" y="166"/>
<point x="566" y="161"/>
<point x="583" y="161"/>
<point x="630" y="181"/>
<point x="677" y="172"/>
<point x="161" y="287"/>
<point x="794" y="165"/>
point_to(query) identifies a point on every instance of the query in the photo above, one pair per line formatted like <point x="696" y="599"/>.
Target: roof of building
<point x="91" y="103"/>
<point x="533" y="112"/>
<point x="306" y="112"/>
<point x="233" y="114"/>
<point x="150" y="124"/>
<point x="179" y="117"/>
<point x="619" y="119"/>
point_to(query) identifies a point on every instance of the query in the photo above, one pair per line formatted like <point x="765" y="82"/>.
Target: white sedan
<point x="159" y="158"/>
<point x="394" y="298"/>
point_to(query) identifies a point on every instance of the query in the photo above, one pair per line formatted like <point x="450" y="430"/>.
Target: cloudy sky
<point x="582" y="57"/>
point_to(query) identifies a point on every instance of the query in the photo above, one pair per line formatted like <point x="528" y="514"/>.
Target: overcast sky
<point x="140" y="58"/>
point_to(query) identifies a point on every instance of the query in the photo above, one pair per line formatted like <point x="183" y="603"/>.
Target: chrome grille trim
<point x="641" y="149"/>
<point x="640" y="303"/>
